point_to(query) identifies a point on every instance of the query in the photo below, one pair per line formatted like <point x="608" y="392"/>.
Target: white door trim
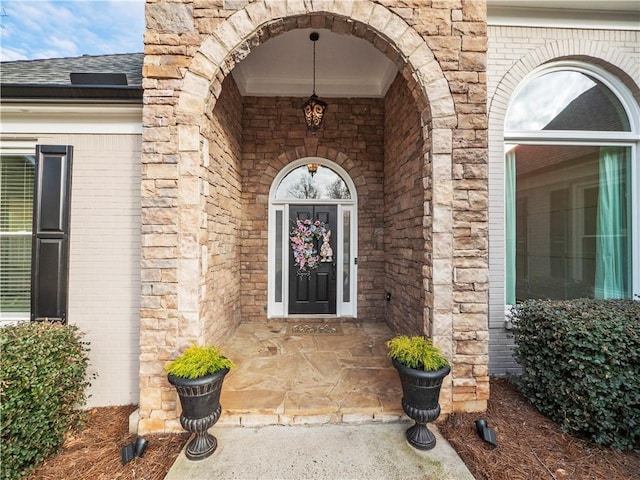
<point x="278" y="272"/>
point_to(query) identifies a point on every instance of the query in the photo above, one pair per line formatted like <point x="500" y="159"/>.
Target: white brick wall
<point x="104" y="267"/>
<point x="513" y="53"/>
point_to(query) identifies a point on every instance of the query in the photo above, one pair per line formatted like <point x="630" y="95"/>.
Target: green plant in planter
<point x="198" y="361"/>
<point x="422" y="368"/>
<point x="198" y="375"/>
<point x="416" y="352"/>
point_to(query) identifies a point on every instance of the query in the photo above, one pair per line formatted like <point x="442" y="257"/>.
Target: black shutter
<point x="50" y="240"/>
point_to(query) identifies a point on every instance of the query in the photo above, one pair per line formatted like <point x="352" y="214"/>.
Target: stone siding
<point x="405" y="201"/>
<point x="222" y="236"/>
<point x="191" y="47"/>
<point x="354" y="129"/>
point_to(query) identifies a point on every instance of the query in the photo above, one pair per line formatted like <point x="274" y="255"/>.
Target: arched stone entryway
<point x="191" y="210"/>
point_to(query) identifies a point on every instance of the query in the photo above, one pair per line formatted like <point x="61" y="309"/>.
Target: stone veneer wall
<point x="220" y="237"/>
<point x="469" y="196"/>
<point x="353" y="130"/>
<point x="405" y="202"/>
<point x="191" y="46"/>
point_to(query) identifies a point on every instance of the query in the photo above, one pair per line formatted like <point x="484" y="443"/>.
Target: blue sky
<point x="34" y="29"/>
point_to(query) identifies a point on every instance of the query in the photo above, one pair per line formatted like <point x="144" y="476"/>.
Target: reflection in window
<point x="568" y="217"/>
<point x="325" y="184"/>
<point x="566" y="100"/>
<point x="16" y="212"/>
<point x="346" y="257"/>
<point x="278" y="254"/>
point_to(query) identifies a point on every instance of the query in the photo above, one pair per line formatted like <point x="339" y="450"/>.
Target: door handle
<point x="333" y="270"/>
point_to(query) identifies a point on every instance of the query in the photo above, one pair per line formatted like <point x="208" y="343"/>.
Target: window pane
<point x="566" y="100"/>
<point x="16" y="210"/>
<point x="572" y="225"/>
<point x="346" y="257"/>
<point x="278" y="254"/>
<point x="15" y="277"/>
<point x="324" y="184"/>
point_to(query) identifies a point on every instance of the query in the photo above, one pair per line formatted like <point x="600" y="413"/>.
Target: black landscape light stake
<point x="486" y="433"/>
<point x="133" y="450"/>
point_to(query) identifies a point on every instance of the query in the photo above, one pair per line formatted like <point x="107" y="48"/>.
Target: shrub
<point x="198" y="361"/>
<point x="581" y="366"/>
<point x="42" y="373"/>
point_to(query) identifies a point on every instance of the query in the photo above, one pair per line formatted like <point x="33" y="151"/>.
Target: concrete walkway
<point x="322" y="452"/>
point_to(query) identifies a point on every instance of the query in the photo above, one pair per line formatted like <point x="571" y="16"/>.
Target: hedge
<point x="581" y="366"/>
<point x="43" y="376"/>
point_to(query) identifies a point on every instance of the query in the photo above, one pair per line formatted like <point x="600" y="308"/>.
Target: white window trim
<point x="629" y="139"/>
<point x="23" y="146"/>
<point x="635" y="198"/>
<point x="609" y="80"/>
<point x="280" y="309"/>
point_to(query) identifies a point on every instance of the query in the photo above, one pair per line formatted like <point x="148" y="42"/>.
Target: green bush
<point x="43" y="376"/>
<point x="581" y="366"/>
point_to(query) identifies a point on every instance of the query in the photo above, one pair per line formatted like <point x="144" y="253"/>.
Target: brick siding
<point x="513" y="53"/>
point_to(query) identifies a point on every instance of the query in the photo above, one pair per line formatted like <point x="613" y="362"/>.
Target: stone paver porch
<point x="286" y="375"/>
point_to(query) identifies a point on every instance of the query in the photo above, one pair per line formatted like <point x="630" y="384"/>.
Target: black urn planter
<point x="421" y="391"/>
<point x="200" y="400"/>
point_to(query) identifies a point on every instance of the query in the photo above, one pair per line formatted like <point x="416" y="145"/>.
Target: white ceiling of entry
<point x="346" y="66"/>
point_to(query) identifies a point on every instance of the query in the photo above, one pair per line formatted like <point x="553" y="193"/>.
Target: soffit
<point x="346" y="66"/>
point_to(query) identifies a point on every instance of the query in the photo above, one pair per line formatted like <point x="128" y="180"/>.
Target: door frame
<point x="279" y="212"/>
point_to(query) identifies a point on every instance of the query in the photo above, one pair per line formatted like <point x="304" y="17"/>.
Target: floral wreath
<point x="302" y="237"/>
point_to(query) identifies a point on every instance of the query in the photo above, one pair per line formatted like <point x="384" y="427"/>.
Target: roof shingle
<point x="56" y="71"/>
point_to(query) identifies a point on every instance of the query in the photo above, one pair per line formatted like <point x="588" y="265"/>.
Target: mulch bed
<point x="94" y="453"/>
<point x="530" y="446"/>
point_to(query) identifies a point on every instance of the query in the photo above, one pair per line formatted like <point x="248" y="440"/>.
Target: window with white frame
<point x="16" y="211"/>
<point x="571" y="181"/>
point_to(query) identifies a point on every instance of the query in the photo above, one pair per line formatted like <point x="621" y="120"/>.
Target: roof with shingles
<point x="56" y="71"/>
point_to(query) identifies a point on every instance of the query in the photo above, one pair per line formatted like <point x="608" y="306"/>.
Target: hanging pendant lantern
<point x="314" y="108"/>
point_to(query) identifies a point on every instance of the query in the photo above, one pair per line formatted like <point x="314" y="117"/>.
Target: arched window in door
<point x="571" y="186"/>
<point x="312" y="181"/>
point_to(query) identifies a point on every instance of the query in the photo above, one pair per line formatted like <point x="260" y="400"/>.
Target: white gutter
<point x="597" y="19"/>
<point x="40" y="118"/>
